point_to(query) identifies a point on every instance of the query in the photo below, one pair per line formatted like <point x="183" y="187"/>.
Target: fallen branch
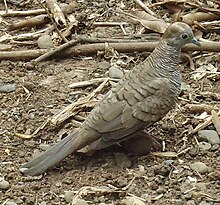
<point x="91" y="49"/>
<point x="86" y="83"/>
<point x="23" y="37"/>
<point x="12" y="13"/>
<point x="28" y="23"/>
<point x="79" y="39"/>
<point x="200" y="108"/>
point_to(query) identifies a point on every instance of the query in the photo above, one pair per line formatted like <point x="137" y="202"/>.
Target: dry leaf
<point x="203" y="71"/>
<point x="148" y="21"/>
<point x="202" y="116"/>
<point x="23" y="136"/>
<point x="190" y="18"/>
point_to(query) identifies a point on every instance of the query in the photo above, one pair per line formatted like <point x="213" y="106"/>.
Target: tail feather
<point x="52" y="156"/>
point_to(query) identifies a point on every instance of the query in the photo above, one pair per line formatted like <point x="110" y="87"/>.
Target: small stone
<point x="80" y="202"/>
<point x="36" y="153"/>
<point x="7" y="88"/>
<point x="201" y="186"/>
<point x="16" y="2"/>
<point x="19" y="187"/>
<point x="168" y="162"/>
<point x="45" y="42"/>
<point x="115" y="72"/>
<point x="122" y="182"/>
<point x="205" y="146"/>
<point x="43" y="203"/>
<point x="104" y="65"/>
<point x="215" y="147"/>
<point x="4" y="184"/>
<point x="185" y="87"/>
<point x="178" y="202"/>
<point x="122" y="160"/>
<point x="132" y="201"/>
<point x="209" y="135"/>
<point x="68" y="196"/>
<point x="190" y="202"/>
<point x="30" y="143"/>
<point x="193" y="152"/>
<point x="10" y="203"/>
<point x="160" y="190"/>
<point x="205" y="203"/>
<point x="200" y="167"/>
<point x="44" y="146"/>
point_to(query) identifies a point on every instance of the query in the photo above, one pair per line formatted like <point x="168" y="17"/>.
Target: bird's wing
<point x="133" y="107"/>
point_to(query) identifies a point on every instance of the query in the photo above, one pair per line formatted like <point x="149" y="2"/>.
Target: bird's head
<point x="179" y="34"/>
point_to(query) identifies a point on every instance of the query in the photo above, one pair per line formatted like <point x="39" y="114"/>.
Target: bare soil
<point x="42" y="91"/>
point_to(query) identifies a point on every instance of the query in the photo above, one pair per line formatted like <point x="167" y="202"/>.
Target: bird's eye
<point x="185" y="36"/>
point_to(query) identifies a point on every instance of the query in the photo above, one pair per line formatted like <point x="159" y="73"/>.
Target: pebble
<point x="7" y="88"/>
<point x="205" y="203"/>
<point x="201" y="186"/>
<point x="199" y="167"/>
<point x="43" y="203"/>
<point x="68" y="196"/>
<point x="80" y="202"/>
<point x="30" y="143"/>
<point x="160" y="190"/>
<point x="44" y="146"/>
<point x="209" y="135"/>
<point x="104" y="65"/>
<point x="185" y="87"/>
<point x="45" y="42"/>
<point x="190" y="202"/>
<point x="215" y="147"/>
<point x="168" y="162"/>
<point x="16" y="1"/>
<point x="205" y="146"/>
<point x="178" y="202"/>
<point x="10" y="203"/>
<point x="132" y="201"/>
<point x="4" y="184"/>
<point x="115" y="72"/>
<point x="193" y="152"/>
<point x="122" y="160"/>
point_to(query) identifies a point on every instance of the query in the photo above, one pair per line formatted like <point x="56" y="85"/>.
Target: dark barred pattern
<point x="164" y="59"/>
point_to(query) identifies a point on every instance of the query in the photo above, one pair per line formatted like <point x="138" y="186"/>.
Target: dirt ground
<point x="109" y="176"/>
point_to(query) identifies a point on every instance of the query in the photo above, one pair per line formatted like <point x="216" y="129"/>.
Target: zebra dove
<point x="142" y="97"/>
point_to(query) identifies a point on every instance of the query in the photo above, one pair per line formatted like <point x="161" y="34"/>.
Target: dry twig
<point x="12" y="13"/>
<point x="53" y="22"/>
<point x="90" y="49"/>
<point x="144" y="7"/>
<point x="56" y="12"/>
<point x="28" y="23"/>
<point x="77" y="106"/>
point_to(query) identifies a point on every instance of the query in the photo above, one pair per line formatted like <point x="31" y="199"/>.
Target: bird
<point x="142" y="97"/>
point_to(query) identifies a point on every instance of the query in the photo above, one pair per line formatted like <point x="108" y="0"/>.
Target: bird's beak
<point x="195" y="41"/>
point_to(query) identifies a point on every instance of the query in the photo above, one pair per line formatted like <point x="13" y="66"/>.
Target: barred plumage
<point x="141" y="98"/>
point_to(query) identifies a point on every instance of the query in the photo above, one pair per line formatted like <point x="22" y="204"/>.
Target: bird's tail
<point x="53" y="155"/>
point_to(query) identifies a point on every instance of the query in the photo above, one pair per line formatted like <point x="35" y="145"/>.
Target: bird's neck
<point x="165" y="60"/>
<point x="166" y="57"/>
